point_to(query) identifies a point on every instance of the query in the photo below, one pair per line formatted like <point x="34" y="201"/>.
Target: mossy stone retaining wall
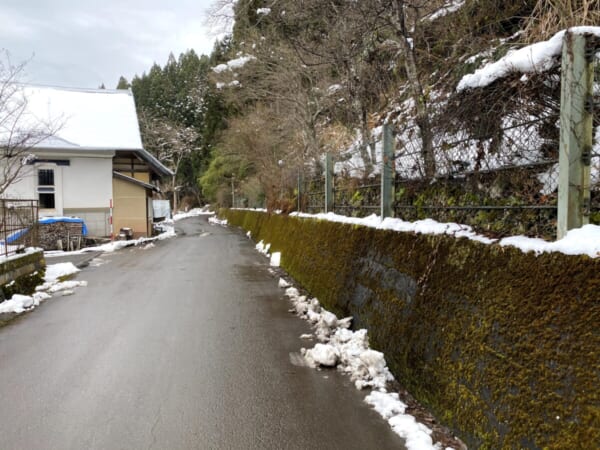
<point x="503" y="346"/>
<point x="21" y="274"/>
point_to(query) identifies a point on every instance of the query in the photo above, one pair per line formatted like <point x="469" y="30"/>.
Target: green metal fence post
<point x="387" y="173"/>
<point x="328" y="183"/>
<point x="575" y="131"/>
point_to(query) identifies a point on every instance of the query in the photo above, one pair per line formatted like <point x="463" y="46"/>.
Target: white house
<point x="94" y="161"/>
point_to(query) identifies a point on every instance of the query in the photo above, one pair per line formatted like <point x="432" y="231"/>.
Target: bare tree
<point x="171" y="143"/>
<point x="20" y="131"/>
<point x="405" y="42"/>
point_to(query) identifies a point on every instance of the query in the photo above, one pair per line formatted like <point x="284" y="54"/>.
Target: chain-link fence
<point x="19" y="226"/>
<point x="491" y="161"/>
<point x="356" y="197"/>
<point x="501" y="184"/>
<point x="312" y="199"/>
<point x="595" y="165"/>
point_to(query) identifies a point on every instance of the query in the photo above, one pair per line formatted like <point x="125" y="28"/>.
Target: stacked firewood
<point x="60" y="236"/>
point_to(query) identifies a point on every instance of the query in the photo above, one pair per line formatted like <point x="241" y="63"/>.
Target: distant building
<point x="94" y="164"/>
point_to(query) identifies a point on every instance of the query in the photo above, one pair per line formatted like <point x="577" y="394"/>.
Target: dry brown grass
<point x="551" y="16"/>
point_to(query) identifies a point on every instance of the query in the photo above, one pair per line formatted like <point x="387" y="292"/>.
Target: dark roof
<point x="150" y="159"/>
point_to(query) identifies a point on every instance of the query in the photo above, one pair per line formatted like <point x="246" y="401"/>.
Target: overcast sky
<point x="84" y="43"/>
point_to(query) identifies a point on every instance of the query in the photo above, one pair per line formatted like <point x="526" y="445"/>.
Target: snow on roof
<point x="89" y="118"/>
<point x="538" y="57"/>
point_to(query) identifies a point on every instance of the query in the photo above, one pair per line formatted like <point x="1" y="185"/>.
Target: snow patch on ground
<point x="18" y="303"/>
<point x="193" y="213"/>
<point x="349" y="351"/>
<point x="276" y="259"/>
<point x="263" y="248"/>
<point x="216" y="221"/>
<point x="56" y="271"/>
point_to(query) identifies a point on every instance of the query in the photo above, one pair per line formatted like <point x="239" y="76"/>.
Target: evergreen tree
<point x="123" y="83"/>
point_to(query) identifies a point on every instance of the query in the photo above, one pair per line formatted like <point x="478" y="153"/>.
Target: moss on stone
<point x="501" y="345"/>
<point x="24" y="273"/>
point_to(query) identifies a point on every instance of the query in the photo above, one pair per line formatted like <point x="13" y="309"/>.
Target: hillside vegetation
<point x="294" y="80"/>
<point x="305" y="77"/>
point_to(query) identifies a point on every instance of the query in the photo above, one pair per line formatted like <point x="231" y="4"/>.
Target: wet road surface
<point x="185" y="345"/>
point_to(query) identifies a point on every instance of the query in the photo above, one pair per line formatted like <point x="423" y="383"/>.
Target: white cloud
<point x="78" y="43"/>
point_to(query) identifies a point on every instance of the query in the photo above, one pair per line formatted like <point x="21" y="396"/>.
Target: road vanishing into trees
<point x="183" y="345"/>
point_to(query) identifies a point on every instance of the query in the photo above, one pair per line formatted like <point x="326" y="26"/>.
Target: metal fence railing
<point x="313" y="198"/>
<point x="19" y="226"/>
<point x="493" y="161"/>
<point x="500" y="184"/>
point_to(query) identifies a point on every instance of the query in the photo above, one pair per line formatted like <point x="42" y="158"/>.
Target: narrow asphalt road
<point x="185" y="345"/>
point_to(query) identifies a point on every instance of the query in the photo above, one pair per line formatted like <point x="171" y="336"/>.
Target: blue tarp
<point x="46" y="220"/>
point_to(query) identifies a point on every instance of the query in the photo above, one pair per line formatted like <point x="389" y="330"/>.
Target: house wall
<point x="82" y="189"/>
<point x="97" y="220"/>
<point x="87" y="183"/>
<point x="130" y="208"/>
<point x="24" y="188"/>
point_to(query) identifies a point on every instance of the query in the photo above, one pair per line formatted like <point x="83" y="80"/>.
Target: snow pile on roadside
<point x="339" y="346"/>
<point x="276" y="259"/>
<point x="193" y="213"/>
<point x="263" y="248"/>
<point x="349" y="351"/>
<point x="168" y="232"/>
<point x="56" y="271"/>
<point x="389" y="406"/>
<point x="20" y="303"/>
<point x="216" y="221"/>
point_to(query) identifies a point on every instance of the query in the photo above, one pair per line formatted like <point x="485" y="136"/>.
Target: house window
<point x="46" y="188"/>
<point x="45" y="177"/>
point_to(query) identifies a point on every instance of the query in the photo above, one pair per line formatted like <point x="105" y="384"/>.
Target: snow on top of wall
<point x="579" y="241"/>
<point x="233" y="64"/>
<point x="538" y="57"/>
<point x="89" y="118"/>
